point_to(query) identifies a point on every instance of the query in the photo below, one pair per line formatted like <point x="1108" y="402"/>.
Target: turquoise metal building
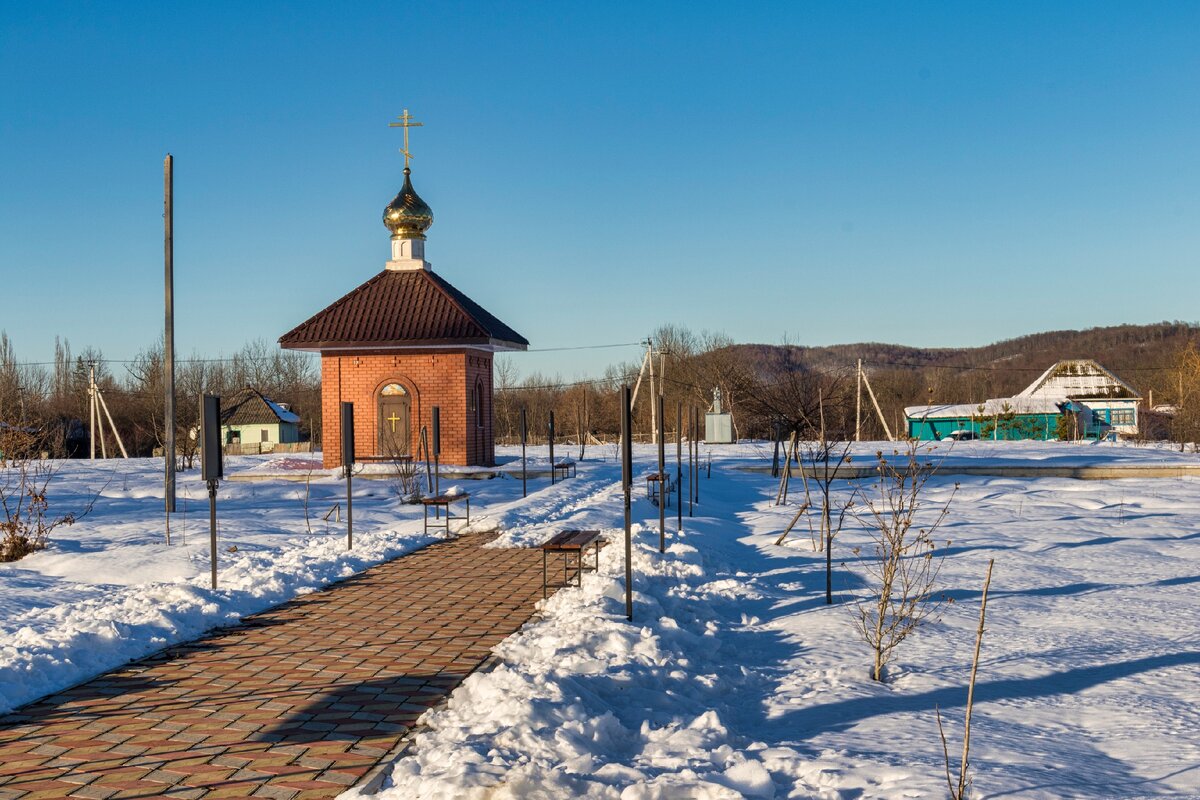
<point x="995" y="419"/>
<point x="1076" y="397"/>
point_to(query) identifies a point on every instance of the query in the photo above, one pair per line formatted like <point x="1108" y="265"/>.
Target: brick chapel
<point x="402" y="343"/>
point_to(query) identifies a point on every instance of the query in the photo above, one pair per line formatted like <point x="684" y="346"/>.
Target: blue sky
<point x="927" y="174"/>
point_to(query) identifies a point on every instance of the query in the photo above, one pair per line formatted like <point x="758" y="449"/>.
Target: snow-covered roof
<point x="281" y="412"/>
<point x="1079" y="379"/>
<point x="988" y="408"/>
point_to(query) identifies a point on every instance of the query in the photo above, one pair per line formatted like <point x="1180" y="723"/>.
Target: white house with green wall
<point x="1101" y="403"/>
<point x="248" y="418"/>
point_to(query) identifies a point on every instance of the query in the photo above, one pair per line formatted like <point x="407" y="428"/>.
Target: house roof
<point x="250" y="407"/>
<point x="1079" y="379"/>
<point x="403" y="308"/>
<point x="988" y="408"/>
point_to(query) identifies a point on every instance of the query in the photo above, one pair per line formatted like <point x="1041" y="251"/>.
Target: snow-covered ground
<point x="735" y="679"/>
<point x="109" y="589"/>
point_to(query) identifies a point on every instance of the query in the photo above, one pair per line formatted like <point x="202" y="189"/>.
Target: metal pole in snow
<point x="662" y="480"/>
<point x="691" y="457"/>
<point x="627" y="485"/>
<point x="679" y="464"/>
<point x="212" y="529"/>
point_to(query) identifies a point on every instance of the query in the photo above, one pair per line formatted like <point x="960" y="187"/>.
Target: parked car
<point x="961" y="435"/>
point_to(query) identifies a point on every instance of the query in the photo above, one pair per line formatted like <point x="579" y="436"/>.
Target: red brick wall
<point x="444" y="378"/>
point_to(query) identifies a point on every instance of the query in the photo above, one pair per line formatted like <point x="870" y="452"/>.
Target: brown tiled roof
<point x="250" y="407"/>
<point x="403" y="308"/>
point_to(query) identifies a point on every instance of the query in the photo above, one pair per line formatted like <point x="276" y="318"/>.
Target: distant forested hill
<point x="902" y="375"/>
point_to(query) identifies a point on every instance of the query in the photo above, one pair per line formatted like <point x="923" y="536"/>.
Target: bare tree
<point x="825" y="458"/>
<point x="903" y="564"/>
<point x="1185" y="425"/>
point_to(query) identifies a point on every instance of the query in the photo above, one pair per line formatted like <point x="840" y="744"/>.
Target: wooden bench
<point x="443" y="501"/>
<point x="572" y="544"/>
<point x="563" y="469"/>
<point x="658" y="483"/>
<point x="384" y="459"/>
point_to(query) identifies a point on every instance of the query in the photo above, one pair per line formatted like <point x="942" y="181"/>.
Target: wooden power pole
<point x="169" y="336"/>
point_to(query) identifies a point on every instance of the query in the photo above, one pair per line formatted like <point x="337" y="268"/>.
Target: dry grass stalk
<point x="958" y="790"/>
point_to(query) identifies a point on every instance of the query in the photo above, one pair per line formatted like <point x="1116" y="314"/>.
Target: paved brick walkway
<point x="301" y="701"/>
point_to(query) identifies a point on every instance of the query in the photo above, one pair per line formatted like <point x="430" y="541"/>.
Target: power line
<point x="584" y="347"/>
<point x="992" y="368"/>
<point x="232" y="359"/>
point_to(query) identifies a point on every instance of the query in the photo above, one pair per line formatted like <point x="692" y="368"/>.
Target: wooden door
<point x="394" y="424"/>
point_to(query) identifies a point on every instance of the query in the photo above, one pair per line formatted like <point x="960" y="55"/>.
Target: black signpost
<point x="348" y="467"/>
<point x="663" y="483"/>
<point x="776" y="434"/>
<point x="550" y="431"/>
<point x="436" y="414"/>
<point x="691" y="458"/>
<point x="679" y="464"/>
<point x="627" y="485"/>
<point x="212" y="468"/>
<point x="524" y="436"/>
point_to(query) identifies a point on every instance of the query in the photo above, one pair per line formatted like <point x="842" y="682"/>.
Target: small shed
<point x="718" y="424"/>
<point x="250" y="418"/>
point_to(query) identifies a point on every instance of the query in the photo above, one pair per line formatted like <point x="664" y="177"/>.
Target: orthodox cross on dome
<point x="406" y="122"/>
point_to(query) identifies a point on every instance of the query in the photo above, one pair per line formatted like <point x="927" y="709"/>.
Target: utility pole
<point x="92" y="410"/>
<point x="874" y="402"/>
<point x="653" y="394"/>
<point x="858" y="405"/>
<point x="169" y="335"/>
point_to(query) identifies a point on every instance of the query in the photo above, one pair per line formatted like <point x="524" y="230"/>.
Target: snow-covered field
<point x="735" y="679"/>
<point x="109" y="589"/>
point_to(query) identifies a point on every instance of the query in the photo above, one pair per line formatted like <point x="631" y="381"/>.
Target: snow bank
<point x="46" y="650"/>
<point x="737" y="680"/>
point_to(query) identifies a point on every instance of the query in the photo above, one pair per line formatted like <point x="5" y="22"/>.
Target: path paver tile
<point x="298" y="702"/>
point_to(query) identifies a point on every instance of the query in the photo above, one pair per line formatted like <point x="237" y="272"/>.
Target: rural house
<point x="250" y="419"/>
<point x="1101" y="402"/>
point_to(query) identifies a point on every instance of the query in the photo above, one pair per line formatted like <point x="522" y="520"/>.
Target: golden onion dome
<point x="408" y="216"/>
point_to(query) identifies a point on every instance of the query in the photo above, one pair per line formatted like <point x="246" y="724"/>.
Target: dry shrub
<point x="903" y="564"/>
<point x="27" y="522"/>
